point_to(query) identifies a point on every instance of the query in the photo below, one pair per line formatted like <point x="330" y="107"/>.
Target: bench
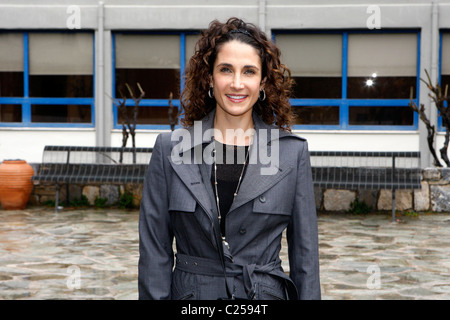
<point x="352" y="170"/>
<point x="83" y="165"/>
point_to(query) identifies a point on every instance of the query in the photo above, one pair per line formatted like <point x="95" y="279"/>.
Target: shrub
<point x="100" y="202"/>
<point x="81" y="202"/>
<point x="359" y="207"/>
<point x="126" y="201"/>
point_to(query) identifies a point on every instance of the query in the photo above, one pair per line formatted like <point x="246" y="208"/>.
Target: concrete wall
<point x="434" y="196"/>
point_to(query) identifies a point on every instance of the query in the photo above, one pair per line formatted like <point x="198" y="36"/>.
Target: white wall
<point x="361" y="140"/>
<point x="318" y="140"/>
<point x="144" y="138"/>
<point x="28" y="144"/>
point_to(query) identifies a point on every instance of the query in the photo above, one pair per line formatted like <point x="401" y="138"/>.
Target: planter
<point x="15" y="184"/>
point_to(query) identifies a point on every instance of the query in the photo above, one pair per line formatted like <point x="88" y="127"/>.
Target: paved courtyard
<point x="93" y="254"/>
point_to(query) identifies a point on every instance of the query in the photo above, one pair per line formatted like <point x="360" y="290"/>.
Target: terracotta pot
<point x="15" y="184"/>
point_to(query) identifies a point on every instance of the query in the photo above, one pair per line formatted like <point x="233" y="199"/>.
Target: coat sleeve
<point x="302" y="233"/>
<point x="155" y="231"/>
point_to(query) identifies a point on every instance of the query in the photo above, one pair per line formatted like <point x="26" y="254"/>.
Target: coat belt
<point x="211" y="267"/>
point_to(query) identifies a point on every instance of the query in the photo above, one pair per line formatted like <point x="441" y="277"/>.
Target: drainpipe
<point x="434" y="63"/>
<point x="100" y="134"/>
<point x="434" y="41"/>
<point x="262" y="16"/>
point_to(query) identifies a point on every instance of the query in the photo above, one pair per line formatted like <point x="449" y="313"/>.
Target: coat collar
<point x="207" y="123"/>
<point x="254" y="182"/>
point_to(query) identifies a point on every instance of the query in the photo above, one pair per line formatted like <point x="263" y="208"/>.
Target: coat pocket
<point x="279" y="199"/>
<point x="182" y="200"/>
<point x="266" y="292"/>
<point x="184" y="286"/>
<point x="272" y="203"/>
<point x="188" y="295"/>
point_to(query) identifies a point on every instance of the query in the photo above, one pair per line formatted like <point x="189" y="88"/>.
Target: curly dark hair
<point x="196" y="103"/>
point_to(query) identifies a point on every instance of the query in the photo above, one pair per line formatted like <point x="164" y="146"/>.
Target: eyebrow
<point x="225" y="64"/>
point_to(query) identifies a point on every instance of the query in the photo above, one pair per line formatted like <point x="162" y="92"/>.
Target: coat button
<point x="242" y="231"/>
<point x="262" y="199"/>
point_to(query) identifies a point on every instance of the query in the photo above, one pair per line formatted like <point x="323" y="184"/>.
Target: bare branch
<point x="430" y="128"/>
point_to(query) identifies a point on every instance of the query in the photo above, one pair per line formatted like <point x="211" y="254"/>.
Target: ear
<point x="211" y="80"/>
<point x="263" y="83"/>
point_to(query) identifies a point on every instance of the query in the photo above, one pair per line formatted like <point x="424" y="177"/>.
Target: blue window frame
<point x="444" y="75"/>
<point x="342" y="105"/>
<point x="171" y="75"/>
<point x="29" y="105"/>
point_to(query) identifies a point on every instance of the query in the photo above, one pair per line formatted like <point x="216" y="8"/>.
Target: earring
<point x="211" y="92"/>
<point x="264" y="95"/>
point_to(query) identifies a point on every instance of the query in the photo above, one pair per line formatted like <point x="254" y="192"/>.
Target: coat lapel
<point x="191" y="177"/>
<point x="261" y="177"/>
<point x="189" y="173"/>
<point x="254" y="183"/>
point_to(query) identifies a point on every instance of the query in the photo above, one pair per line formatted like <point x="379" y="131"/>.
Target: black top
<point x="230" y="160"/>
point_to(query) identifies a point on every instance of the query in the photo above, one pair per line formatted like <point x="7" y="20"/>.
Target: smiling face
<point x="236" y="79"/>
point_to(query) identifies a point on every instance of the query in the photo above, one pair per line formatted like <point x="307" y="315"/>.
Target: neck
<point x="235" y="130"/>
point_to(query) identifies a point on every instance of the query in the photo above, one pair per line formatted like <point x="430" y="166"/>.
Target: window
<point x="46" y="79"/>
<point x="381" y="66"/>
<point x="156" y="62"/>
<point x="315" y="62"/>
<point x="11" y="65"/>
<point x="445" y="59"/>
<point x="444" y="71"/>
<point x="11" y="76"/>
<point x="352" y="80"/>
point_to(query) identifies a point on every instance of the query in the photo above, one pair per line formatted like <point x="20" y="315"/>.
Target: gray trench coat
<point x="176" y="202"/>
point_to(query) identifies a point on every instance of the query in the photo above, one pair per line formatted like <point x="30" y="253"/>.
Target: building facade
<point x="64" y="65"/>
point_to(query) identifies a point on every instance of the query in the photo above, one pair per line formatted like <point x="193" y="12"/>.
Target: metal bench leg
<point x="393" y="205"/>
<point x="57" y="198"/>
<point x="393" y="188"/>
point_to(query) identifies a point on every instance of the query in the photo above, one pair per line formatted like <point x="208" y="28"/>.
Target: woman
<point x="237" y="116"/>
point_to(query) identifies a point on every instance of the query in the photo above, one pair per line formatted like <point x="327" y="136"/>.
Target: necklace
<point x="239" y="181"/>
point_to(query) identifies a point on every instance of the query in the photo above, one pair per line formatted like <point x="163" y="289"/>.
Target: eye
<point x="225" y="69"/>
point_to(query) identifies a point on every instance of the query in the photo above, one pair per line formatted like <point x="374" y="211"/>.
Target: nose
<point x="237" y="83"/>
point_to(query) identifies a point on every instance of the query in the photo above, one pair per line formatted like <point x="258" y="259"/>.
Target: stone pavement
<point x="93" y="254"/>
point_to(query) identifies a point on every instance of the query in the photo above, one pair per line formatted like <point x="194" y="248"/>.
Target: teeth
<point x="236" y="97"/>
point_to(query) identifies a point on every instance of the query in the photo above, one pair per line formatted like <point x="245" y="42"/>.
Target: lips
<point x="236" y="98"/>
